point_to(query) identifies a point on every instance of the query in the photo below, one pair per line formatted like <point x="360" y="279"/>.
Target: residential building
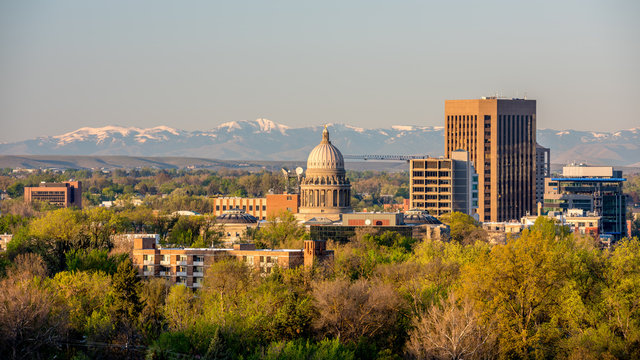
<point x="543" y="170"/>
<point x="65" y="194"/>
<point x="443" y="185"/>
<point x="593" y="189"/>
<point x="500" y="136"/>
<point x="188" y="266"/>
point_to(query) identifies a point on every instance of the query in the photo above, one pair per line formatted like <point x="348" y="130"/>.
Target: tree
<point x="464" y="229"/>
<point x="347" y="311"/>
<point x="153" y="294"/>
<point x="282" y="229"/>
<point x="126" y="299"/>
<point x="450" y="331"/>
<point x="521" y="285"/>
<point x="180" y="308"/>
<point x="31" y="317"/>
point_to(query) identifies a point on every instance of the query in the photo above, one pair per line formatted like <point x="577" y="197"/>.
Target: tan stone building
<point x="189" y="265"/>
<point x="66" y="194"/>
<point x="325" y="192"/>
<point x="500" y="136"/>
<point x="441" y="186"/>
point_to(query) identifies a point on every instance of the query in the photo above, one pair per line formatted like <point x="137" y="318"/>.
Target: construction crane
<point x="406" y="158"/>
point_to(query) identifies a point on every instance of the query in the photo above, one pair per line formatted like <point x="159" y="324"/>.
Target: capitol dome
<point x="325" y="155"/>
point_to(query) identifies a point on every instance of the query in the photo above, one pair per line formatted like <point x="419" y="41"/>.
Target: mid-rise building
<point x="65" y="194"/>
<point x="261" y="208"/>
<point x="188" y="266"/>
<point x="593" y="189"/>
<point x="543" y="170"/>
<point x="500" y="136"/>
<point x="444" y="185"/>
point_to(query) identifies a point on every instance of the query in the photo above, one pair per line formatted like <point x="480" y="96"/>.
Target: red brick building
<point x="66" y="194"/>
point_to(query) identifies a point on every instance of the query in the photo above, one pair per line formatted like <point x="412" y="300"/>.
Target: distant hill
<point x="263" y="139"/>
<point x="131" y="162"/>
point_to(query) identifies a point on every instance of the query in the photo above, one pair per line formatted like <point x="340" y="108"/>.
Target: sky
<point x="193" y="65"/>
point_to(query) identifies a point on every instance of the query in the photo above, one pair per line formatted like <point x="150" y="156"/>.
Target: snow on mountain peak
<point x="100" y="133"/>
<point x="267" y="125"/>
<point x="402" y="127"/>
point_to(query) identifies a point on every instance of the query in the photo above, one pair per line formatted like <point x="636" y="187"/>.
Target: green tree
<point x="282" y="229"/>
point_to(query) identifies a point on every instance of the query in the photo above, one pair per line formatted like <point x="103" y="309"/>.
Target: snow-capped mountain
<point x="264" y="139"/>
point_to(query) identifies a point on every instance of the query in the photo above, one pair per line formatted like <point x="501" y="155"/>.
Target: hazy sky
<point x="196" y="64"/>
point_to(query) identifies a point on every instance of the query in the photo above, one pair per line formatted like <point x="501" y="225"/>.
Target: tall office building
<point x="500" y="136"/>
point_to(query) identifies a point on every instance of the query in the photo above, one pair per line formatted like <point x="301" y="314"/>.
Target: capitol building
<point x="325" y="192"/>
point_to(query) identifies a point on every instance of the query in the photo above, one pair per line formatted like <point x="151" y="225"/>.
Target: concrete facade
<point x="441" y="186"/>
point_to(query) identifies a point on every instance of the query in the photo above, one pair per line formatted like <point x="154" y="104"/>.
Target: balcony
<point x="181" y="273"/>
<point x="198" y="263"/>
<point x="197" y="285"/>
<point x="165" y="262"/>
<point x="165" y="273"/>
<point x="182" y="262"/>
<point x="198" y="274"/>
<point x="147" y="262"/>
<point x="147" y="273"/>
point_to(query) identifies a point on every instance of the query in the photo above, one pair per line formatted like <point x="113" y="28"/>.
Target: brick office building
<point x="66" y="194"/>
<point x="500" y="136"/>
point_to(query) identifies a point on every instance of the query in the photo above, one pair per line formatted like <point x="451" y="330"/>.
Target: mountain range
<point x="264" y="139"/>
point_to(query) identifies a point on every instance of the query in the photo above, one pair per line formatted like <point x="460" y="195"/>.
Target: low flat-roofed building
<point x="189" y="265"/>
<point x="414" y="223"/>
<point x="65" y="194"/>
<point x="593" y="189"/>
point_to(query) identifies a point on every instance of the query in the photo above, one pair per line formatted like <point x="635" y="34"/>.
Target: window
<point x="198" y="258"/>
<point x="250" y="207"/>
<point x="264" y="207"/>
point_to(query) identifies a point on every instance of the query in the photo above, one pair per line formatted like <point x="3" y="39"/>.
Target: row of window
<point x="244" y="207"/>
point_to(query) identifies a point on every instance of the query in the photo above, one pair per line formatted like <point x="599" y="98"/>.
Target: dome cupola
<point x="325" y="155"/>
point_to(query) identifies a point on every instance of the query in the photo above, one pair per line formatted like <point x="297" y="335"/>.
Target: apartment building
<point x="188" y="265"/>
<point x="443" y="185"/>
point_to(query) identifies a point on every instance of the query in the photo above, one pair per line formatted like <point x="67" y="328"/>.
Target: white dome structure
<point x="325" y="191"/>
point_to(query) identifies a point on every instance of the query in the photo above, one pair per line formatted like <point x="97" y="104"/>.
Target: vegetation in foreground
<point x="546" y="294"/>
